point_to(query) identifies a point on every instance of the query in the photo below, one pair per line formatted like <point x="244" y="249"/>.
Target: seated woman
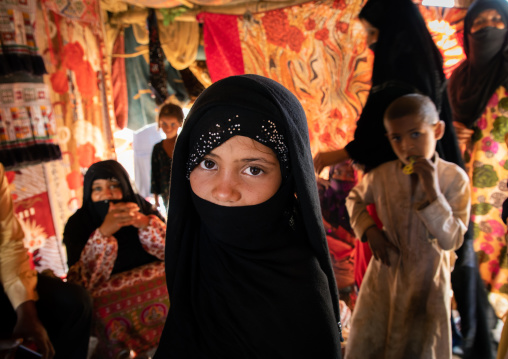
<point x="115" y="244"/>
<point x="115" y="230"/>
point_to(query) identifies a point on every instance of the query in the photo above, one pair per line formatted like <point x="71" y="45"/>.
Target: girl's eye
<point x="207" y="164"/>
<point x="395" y="138"/>
<point x="415" y="134"/>
<point x="254" y="171"/>
<point x="96" y="189"/>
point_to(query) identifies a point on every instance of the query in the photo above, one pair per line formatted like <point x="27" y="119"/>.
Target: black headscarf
<point x="252" y="281"/>
<point x="224" y="122"/>
<point x="486" y="67"/>
<point x="90" y="216"/>
<point x="406" y="60"/>
<point x="404" y="51"/>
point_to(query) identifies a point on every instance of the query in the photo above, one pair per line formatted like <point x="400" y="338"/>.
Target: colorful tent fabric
<point x="141" y="104"/>
<point x="180" y="42"/>
<point x="82" y="110"/>
<point x="19" y="51"/>
<point x="27" y="125"/>
<point x="79" y="10"/>
<point x="222" y="45"/>
<point x="317" y="50"/>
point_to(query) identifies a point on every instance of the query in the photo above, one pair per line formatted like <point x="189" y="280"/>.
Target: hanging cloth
<point x="158" y="82"/>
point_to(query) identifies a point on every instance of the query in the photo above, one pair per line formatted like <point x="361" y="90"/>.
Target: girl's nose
<point x="226" y="189"/>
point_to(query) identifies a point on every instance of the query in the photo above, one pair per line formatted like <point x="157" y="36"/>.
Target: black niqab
<point x="406" y="60"/>
<point x="474" y="82"/>
<point x="252" y="281"/>
<point x="88" y="218"/>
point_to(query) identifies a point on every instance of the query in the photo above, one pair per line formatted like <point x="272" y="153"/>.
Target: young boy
<point x="403" y="309"/>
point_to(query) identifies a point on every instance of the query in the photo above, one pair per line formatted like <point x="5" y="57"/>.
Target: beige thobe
<point x="403" y="311"/>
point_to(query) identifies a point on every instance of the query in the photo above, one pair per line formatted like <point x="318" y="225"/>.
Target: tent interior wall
<point x="102" y="81"/>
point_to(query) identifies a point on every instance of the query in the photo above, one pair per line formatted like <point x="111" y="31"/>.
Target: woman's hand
<point x="464" y="134"/>
<point x="121" y="215"/>
<point x="141" y="221"/>
<point x="380" y="245"/>
<point x="324" y="159"/>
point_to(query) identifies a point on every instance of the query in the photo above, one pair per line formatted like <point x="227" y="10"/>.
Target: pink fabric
<point x="100" y="252"/>
<point x="130" y="310"/>
<point x="153" y="237"/>
<point x="98" y="257"/>
<point x="222" y="45"/>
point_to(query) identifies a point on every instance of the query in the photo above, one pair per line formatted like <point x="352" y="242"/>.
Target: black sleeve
<point x="75" y="236"/>
<point x="370" y="146"/>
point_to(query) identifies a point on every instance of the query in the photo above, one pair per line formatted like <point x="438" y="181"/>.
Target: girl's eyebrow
<point x="258" y="159"/>
<point x="246" y="160"/>
<point x="211" y="154"/>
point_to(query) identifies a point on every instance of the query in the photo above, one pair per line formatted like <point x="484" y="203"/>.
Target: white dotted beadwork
<point x="269" y="136"/>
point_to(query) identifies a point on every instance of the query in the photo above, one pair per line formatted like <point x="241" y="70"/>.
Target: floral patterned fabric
<point x="316" y="50"/>
<point x="487" y="165"/>
<point x="99" y="254"/>
<point x="130" y="311"/>
<point x="82" y="123"/>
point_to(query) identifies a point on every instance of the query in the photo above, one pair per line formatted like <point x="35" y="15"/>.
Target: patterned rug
<point x="130" y="311"/>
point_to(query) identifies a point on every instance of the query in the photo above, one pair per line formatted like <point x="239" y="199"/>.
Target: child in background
<point x="170" y="119"/>
<point x="403" y="308"/>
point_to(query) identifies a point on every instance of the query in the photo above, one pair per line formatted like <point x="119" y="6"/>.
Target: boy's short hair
<point x="171" y="110"/>
<point x="413" y="104"/>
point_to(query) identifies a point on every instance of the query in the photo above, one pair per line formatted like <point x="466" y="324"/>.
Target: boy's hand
<point x="426" y="171"/>
<point x="380" y="245"/>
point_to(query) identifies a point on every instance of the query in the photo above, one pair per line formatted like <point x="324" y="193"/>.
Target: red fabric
<point x="222" y="45"/>
<point x="362" y="250"/>
<point x="74" y="180"/>
<point x="342" y="257"/>
<point x="362" y="259"/>
<point x="72" y="55"/>
<point x="338" y="249"/>
<point x="86" y="155"/>
<point x="59" y="81"/>
<point x="119" y="80"/>
<point x="86" y="79"/>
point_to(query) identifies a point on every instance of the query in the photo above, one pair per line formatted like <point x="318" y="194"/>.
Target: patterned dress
<point x="161" y="171"/>
<point x="487" y="165"/>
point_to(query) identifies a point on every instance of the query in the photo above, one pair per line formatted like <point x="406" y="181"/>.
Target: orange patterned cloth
<point x="316" y="50"/>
